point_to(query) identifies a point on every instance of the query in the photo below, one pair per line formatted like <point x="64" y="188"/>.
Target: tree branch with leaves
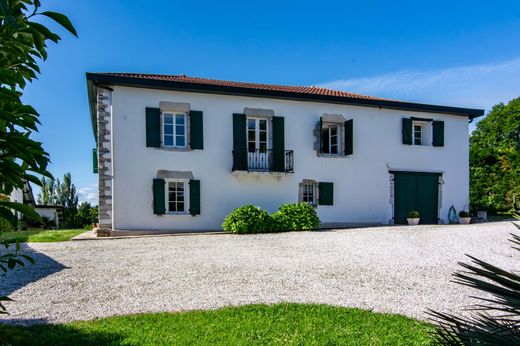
<point x="23" y="43"/>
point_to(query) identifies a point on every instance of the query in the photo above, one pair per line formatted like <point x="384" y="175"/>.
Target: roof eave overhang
<point x="95" y="79"/>
<point x="91" y="91"/>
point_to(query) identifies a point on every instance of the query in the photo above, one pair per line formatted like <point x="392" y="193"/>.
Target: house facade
<point x="54" y="213"/>
<point x="177" y="153"/>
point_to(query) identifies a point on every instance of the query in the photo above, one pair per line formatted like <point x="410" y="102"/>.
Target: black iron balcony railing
<point x="263" y="160"/>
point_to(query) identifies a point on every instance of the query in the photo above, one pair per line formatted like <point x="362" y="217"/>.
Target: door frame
<point x="257" y="132"/>
<point x="392" y="190"/>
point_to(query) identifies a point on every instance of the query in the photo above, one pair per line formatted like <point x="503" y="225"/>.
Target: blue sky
<point x="461" y="53"/>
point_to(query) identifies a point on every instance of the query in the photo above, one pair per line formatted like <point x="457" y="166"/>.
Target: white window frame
<point x="426" y="133"/>
<point x="174" y="124"/>
<point x="257" y="132"/>
<point x="339" y="135"/>
<point x="186" y="183"/>
<point x="415" y="132"/>
<point x="314" y="190"/>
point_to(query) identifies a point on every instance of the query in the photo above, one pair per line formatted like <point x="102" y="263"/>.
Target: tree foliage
<point x="63" y="193"/>
<point x="23" y="43"/>
<point x="495" y="159"/>
<point x="87" y="215"/>
<point x="47" y="194"/>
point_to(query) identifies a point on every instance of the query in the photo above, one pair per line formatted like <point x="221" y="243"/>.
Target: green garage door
<point x="416" y="191"/>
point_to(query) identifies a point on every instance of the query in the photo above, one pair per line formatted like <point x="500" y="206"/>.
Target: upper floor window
<point x="331" y="139"/>
<point x="257" y="135"/>
<point x="174" y="130"/>
<point x="422" y="132"/>
<point x="334" y="136"/>
<point x="418" y="134"/>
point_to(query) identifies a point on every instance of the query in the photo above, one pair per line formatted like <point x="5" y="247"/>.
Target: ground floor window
<point x="309" y="192"/>
<point x="177" y="200"/>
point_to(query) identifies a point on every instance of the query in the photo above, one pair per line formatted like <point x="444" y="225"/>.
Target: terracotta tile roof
<point x="305" y="93"/>
<point x="313" y="90"/>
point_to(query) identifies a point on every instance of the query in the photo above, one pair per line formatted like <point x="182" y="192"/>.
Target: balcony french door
<point x="257" y="144"/>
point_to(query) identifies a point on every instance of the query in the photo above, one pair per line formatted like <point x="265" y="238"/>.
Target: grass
<point x="281" y="324"/>
<point x="39" y="236"/>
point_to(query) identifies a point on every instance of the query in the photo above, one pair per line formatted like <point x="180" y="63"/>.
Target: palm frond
<point x="493" y="321"/>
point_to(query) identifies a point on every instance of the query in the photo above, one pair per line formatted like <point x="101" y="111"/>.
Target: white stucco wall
<point x="361" y="181"/>
<point x="50" y="213"/>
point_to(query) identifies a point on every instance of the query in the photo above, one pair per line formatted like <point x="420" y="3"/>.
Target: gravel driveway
<point x="402" y="270"/>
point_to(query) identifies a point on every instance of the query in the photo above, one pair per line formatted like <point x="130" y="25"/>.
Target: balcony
<point x="264" y="161"/>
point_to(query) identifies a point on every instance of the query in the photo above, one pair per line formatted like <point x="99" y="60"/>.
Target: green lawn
<point x="281" y="324"/>
<point x="39" y="235"/>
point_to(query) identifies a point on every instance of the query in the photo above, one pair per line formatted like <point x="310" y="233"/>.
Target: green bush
<point x="6" y="226"/>
<point x="295" y="217"/>
<point x="247" y="219"/>
<point x="463" y="213"/>
<point x="414" y="214"/>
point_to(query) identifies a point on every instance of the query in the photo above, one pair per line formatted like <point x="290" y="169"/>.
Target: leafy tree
<point x="47" y="194"/>
<point x="495" y="159"/>
<point x="496" y="320"/>
<point x="66" y="196"/>
<point x="23" y="42"/>
<point x="87" y="215"/>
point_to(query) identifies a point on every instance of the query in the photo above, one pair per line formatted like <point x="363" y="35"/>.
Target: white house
<point x="26" y="196"/>
<point x="178" y="153"/>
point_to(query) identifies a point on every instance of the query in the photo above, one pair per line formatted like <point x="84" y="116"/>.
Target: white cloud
<point x="476" y="86"/>
<point x="88" y="194"/>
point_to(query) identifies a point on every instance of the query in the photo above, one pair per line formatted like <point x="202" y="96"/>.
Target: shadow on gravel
<point x="22" y="276"/>
<point x="52" y="334"/>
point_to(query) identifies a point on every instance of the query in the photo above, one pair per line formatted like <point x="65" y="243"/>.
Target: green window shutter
<point x="159" y="196"/>
<point x="407" y="131"/>
<point x="349" y="137"/>
<point x="195" y="197"/>
<point x="326" y="193"/>
<point x="94" y="160"/>
<point x="438" y="133"/>
<point x="196" y="130"/>
<point x="239" y="142"/>
<point x="278" y="144"/>
<point x="153" y="127"/>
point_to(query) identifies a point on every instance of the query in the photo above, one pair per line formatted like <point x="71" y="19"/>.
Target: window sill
<point x="174" y="149"/>
<point x="333" y="156"/>
<point x="177" y="214"/>
<point x="423" y="146"/>
<point x="259" y="172"/>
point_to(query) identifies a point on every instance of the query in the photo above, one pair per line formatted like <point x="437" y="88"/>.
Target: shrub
<point x="295" y="217"/>
<point x="247" y="219"/>
<point x="463" y="213"/>
<point x="414" y="214"/>
<point x="6" y="226"/>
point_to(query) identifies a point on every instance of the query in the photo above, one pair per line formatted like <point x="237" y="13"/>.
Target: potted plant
<point x="464" y="217"/>
<point x="413" y="217"/>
